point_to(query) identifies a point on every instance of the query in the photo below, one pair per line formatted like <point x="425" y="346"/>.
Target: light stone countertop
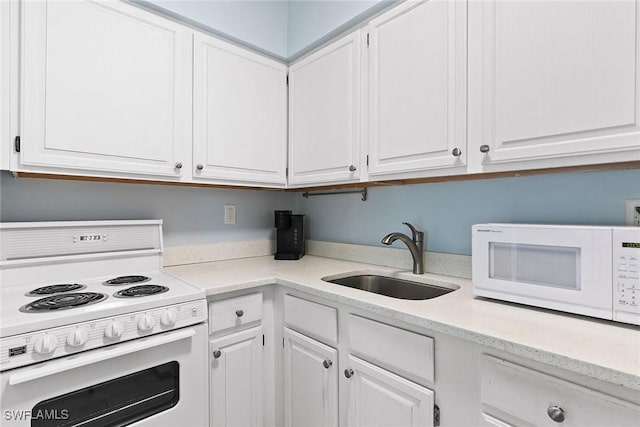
<point x="596" y="348"/>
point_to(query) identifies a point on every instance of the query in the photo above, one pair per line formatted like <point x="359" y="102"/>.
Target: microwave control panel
<point x="626" y="275"/>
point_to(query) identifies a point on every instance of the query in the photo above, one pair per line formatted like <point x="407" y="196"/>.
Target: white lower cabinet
<point x="337" y="368"/>
<point x="379" y="398"/>
<point x="236" y="355"/>
<point x="513" y="395"/>
<point x="236" y="379"/>
<point x="310" y="382"/>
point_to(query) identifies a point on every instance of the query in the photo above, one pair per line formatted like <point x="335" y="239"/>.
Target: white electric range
<point x="93" y="332"/>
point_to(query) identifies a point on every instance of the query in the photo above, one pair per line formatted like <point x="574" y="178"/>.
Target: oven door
<point x="158" y="380"/>
<point x="565" y="268"/>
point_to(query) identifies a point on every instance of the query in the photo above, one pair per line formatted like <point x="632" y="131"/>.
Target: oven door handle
<point x="91" y="357"/>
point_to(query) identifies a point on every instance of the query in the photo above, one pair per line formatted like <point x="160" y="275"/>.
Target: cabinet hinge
<point x="16" y="144"/>
<point x="436" y="415"/>
<point x="367" y="160"/>
<point x="263" y="340"/>
<point x="367" y="39"/>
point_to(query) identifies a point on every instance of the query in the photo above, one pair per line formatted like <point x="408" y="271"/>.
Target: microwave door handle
<point x="55" y="367"/>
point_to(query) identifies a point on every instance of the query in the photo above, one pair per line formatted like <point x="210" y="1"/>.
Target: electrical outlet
<point x="229" y="214"/>
<point x="632" y="210"/>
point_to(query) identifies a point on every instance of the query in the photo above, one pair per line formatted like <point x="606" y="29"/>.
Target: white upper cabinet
<point x="417" y="88"/>
<point x="556" y="82"/>
<point x="324" y="114"/>
<point x="240" y="115"/>
<point x="106" y="90"/>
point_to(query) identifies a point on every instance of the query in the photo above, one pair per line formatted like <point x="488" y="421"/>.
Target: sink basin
<point x="391" y="286"/>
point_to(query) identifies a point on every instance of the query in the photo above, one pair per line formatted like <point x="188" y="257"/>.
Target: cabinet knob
<point x="327" y="363"/>
<point x="352" y="168"/>
<point x="484" y="148"/>
<point x="178" y="165"/>
<point x="200" y="166"/>
<point x="239" y="313"/>
<point x="217" y="354"/>
<point x="348" y="373"/>
<point x="556" y="413"/>
<point x="456" y="152"/>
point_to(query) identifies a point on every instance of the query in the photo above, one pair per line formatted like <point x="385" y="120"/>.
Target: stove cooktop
<point x="38" y="306"/>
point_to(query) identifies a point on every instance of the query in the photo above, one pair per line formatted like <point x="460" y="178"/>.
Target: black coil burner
<point x="126" y="280"/>
<point x="141" y="291"/>
<point x="55" y="289"/>
<point x="62" y="302"/>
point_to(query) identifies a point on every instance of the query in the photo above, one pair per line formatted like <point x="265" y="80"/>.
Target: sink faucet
<point x="414" y="244"/>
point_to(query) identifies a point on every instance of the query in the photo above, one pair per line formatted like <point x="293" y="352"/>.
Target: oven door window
<point x="555" y="266"/>
<point x="117" y="402"/>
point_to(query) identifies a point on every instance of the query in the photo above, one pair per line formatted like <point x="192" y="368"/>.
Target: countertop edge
<point x="553" y="359"/>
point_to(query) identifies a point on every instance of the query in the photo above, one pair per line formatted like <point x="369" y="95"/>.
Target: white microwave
<point x="588" y="270"/>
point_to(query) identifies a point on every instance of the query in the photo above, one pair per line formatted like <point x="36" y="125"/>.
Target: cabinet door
<point x="417" y="88"/>
<point x="379" y="398"/>
<point x="236" y="379"/>
<point x="555" y="79"/>
<point x="240" y="114"/>
<point x="106" y="89"/>
<point x="310" y="382"/>
<point x="324" y="114"/>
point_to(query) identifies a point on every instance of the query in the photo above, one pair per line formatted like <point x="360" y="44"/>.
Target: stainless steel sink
<point x="391" y="286"/>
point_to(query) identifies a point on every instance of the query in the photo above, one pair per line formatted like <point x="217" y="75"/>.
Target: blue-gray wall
<point x="262" y="24"/>
<point x="279" y="27"/>
<point x="191" y="215"/>
<point x="313" y="21"/>
<point x="446" y="211"/>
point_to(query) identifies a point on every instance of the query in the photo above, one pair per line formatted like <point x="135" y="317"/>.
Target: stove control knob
<point x="146" y="322"/>
<point x="45" y="344"/>
<point x="168" y="318"/>
<point x="114" y="330"/>
<point x="77" y="337"/>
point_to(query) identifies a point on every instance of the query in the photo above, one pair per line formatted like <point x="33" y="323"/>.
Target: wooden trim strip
<point x="426" y="180"/>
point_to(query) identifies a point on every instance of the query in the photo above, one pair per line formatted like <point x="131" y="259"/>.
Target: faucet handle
<point x="417" y="235"/>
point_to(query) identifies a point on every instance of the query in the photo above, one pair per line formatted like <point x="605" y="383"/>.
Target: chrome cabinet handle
<point x="456" y="152"/>
<point x="239" y="313"/>
<point x="199" y="166"/>
<point x="348" y="373"/>
<point x="556" y="413"/>
<point x="178" y="165"/>
<point x="352" y="168"/>
<point x="484" y="148"/>
<point x="327" y="363"/>
<point x="217" y="354"/>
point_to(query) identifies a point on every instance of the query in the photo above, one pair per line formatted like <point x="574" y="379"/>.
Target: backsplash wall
<point x="192" y="216"/>
<point x="446" y="211"/>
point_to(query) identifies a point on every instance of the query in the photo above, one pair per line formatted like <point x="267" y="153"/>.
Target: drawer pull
<point x="239" y="313"/>
<point x="556" y="413"/>
<point x="348" y="373"/>
<point x="217" y="354"/>
<point x="327" y="363"/>
<point x="484" y="149"/>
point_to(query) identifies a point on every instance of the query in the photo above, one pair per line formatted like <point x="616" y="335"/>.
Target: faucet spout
<point x="415" y="245"/>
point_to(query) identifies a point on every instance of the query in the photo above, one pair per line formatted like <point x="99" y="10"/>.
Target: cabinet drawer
<point x="403" y="352"/>
<point x="313" y="319"/>
<point x="517" y="395"/>
<point x="235" y="312"/>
